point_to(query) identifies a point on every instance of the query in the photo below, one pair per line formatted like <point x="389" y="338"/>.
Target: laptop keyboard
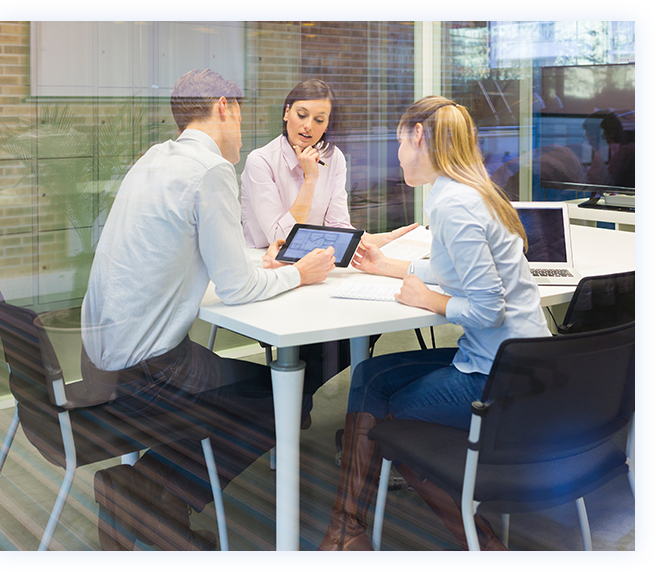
<point x="556" y="272"/>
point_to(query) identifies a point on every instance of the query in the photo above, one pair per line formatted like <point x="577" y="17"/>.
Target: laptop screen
<point x="545" y="231"/>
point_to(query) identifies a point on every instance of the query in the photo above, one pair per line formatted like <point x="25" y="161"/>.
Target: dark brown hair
<point x="314" y="89"/>
<point x="195" y="93"/>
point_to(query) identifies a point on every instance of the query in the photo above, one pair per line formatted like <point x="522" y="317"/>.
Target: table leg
<point x="287" y="373"/>
<point x="359" y="351"/>
<point x="210" y="343"/>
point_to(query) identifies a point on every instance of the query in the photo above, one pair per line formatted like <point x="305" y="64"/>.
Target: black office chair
<point x="541" y="435"/>
<point x="600" y="302"/>
<point x="75" y="437"/>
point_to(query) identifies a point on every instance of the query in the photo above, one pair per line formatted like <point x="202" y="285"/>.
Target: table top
<point x="309" y="314"/>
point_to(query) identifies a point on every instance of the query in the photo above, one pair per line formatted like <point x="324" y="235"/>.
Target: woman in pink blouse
<point x="299" y="176"/>
<point x="283" y="182"/>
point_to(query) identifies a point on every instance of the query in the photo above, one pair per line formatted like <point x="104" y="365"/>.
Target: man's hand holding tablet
<point x="305" y="238"/>
<point x="313" y="267"/>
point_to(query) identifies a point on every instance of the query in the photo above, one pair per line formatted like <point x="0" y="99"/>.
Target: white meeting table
<point x="310" y="315"/>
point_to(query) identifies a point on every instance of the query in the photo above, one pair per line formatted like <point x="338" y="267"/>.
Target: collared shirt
<point x="175" y="224"/>
<point x="478" y="262"/>
<point x="270" y="183"/>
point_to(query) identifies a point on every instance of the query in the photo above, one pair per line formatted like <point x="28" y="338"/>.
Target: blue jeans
<point x="420" y="385"/>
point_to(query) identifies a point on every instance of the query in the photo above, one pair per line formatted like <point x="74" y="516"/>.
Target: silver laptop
<point x="549" y="244"/>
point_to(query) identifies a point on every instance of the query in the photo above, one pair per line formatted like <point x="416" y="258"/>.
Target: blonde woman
<point x="477" y="257"/>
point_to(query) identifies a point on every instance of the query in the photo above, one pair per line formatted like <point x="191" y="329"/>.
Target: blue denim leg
<point x="416" y="385"/>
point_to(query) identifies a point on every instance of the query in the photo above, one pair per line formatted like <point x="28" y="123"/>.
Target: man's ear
<point x="221" y="107"/>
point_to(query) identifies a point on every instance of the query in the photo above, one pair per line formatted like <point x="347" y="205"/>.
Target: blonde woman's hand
<point x="415" y="293"/>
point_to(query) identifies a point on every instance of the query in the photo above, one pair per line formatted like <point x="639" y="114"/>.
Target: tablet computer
<point x="304" y="238"/>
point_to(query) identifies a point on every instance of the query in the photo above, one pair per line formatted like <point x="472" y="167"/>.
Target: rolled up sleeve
<point x="222" y="246"/>
<point x="479" y="302"/>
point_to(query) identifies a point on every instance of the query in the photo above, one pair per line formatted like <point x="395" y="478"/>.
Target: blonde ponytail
<point x="453" y="145"/>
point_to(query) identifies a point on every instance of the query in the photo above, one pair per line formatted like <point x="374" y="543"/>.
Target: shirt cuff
<point x="421" y="269"/>
<point x="290" y="275"/>
<point x="454" y="308"/>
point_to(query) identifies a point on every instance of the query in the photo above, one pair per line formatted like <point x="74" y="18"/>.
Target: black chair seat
<point x="99" y="434"/>
<point x="439" y="453"/>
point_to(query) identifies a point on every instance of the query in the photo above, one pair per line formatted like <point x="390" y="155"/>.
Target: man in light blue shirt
<point x="174" y="226"/>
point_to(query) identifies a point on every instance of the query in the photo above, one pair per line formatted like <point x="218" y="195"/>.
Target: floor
<point x="28" y="487"/>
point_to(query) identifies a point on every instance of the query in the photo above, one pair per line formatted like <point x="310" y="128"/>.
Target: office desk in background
<point x="616" y="217"/>
<point x="309" y="315"/>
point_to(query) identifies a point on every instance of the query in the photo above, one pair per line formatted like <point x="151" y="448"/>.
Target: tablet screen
<point x="304" y="238"/>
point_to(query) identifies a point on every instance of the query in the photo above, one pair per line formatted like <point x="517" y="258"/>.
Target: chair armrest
<point x="56" y="387"/>
<point x="93" y="390"/>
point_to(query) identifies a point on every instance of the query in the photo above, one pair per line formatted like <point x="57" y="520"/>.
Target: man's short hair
<point x="195" y="93"/>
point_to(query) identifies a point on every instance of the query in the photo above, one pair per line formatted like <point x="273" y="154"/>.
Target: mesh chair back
<point x="550" y="398"/>
<point x="601" y="302"/>
<point x="22" y="349"/>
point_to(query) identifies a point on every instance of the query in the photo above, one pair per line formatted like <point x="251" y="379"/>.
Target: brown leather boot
<point x="115" y="530"/>
<point x="358" y="481"/>
<point x="444" y="506"/>
<point x="135" y="504"/>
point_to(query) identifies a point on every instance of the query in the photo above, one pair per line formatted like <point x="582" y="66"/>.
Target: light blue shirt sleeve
<point x="222" y="247"/>
<point x="175" y="225"/>
<point x="481" y="303"/>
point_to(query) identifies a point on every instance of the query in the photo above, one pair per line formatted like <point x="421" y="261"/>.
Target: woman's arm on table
<point x="383" y="238"/>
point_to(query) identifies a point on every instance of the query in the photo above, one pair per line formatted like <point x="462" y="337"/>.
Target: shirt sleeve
<point x="422" y="270"/>
<point x="337" y="214"/>
<point x="480" y="303"/>
<point x="222" y="246"/>
<point x="258" y="184"/>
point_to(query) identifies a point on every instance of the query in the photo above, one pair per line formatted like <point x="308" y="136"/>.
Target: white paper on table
<point x="413" y="245"/>
<point x="368" y="291"/>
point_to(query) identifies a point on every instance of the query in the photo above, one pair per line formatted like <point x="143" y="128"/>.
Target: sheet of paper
<point x="368" y="291"/>
<point x="414" y="245"/>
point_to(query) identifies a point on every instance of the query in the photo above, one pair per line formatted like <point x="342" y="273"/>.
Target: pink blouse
<point x="271" y="182"/>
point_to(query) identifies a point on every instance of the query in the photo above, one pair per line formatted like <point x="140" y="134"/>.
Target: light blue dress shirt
<point x="482" y="266"/>
<point x="175" y="224"/>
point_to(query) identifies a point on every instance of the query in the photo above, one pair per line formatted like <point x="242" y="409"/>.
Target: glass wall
<point x="81" y="101"/>
<point x="554" y="103"/>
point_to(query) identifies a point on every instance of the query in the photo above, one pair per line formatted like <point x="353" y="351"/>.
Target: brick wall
<point x="15" y="178"/>
<point x="370" y="66"/>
